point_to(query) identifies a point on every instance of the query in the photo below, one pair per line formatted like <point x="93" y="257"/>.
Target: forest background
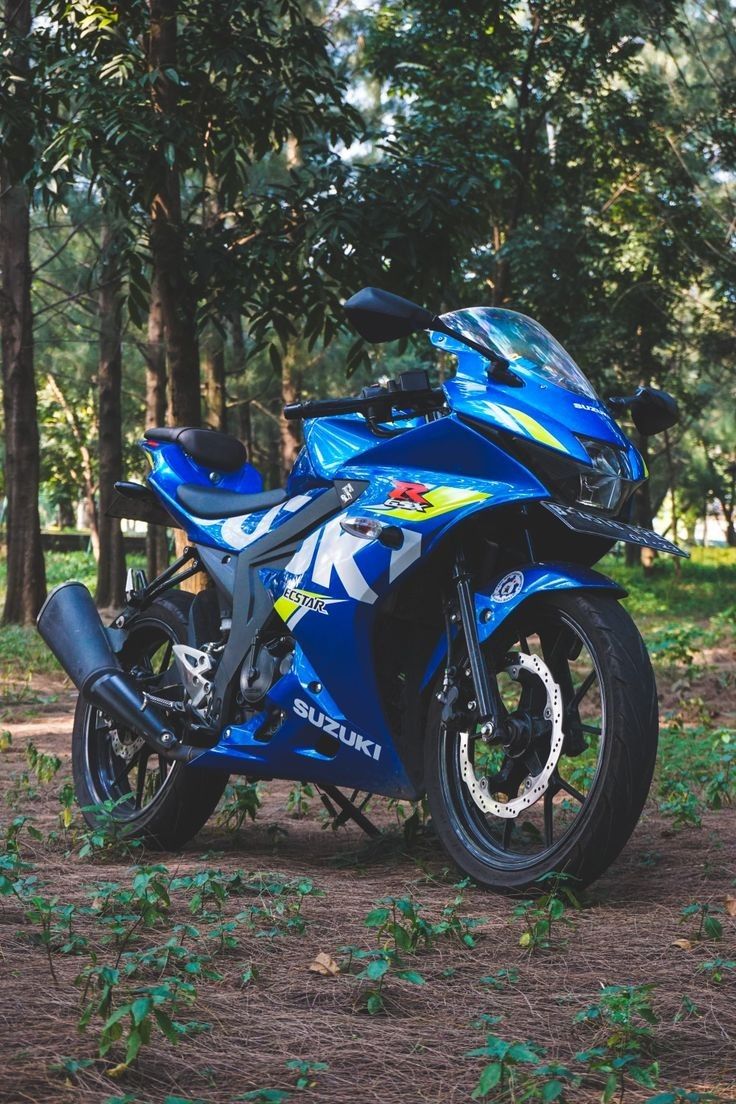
<point x="188" y="192"/>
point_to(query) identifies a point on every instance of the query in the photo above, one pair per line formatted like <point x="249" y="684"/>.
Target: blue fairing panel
<point x="495" y="604"/>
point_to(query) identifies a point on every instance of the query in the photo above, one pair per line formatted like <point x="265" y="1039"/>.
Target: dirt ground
<point x="624" y="934"/>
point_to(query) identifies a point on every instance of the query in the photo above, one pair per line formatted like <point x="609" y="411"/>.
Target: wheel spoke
<point x="124" y="772"/>
<point x="162" y="769"/>
<point x="141" y="776"/>
<point x="548" y="817"/>
<point x="562" y="784"/>
<point x="166" y="659"/>
<point x="508" y="827"/>
<point x="592" y="729"/>
<point x="581" y="691"/>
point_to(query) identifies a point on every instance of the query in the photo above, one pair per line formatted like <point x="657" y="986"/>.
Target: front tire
<point x="117" y="775"/>
<point x="602" y="778"/>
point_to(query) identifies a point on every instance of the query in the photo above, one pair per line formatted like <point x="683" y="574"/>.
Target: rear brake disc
<point x="533" y="786"/>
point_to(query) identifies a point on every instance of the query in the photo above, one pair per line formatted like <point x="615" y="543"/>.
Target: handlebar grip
<point x="321" y="408"/>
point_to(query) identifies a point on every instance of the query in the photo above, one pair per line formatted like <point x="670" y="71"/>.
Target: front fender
<point x="495" y="602"/>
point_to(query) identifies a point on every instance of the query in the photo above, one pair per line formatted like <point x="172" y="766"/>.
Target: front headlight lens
<point x="606" y="486"/>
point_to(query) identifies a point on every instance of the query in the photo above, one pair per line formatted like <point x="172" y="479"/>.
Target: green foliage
<point x="241" y="801"/>
<point x="109" y="834"/>
<point x="501" y="979"/>
<point x="402" y="930"/>
<point x="43" y="766"/>
<point x="542" y="915"/>
<point x="131" y="1018"/>
<point x="624" y="1016"/>
<point x="717" y="969"/>
<point x="305" y="1070"/>
<point x="708" y="926"/>
<point x="518" y="1069"/>
<point x="298" y="798"/>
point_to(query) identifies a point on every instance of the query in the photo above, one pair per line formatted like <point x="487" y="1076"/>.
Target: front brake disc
<point x="533" y="786"/>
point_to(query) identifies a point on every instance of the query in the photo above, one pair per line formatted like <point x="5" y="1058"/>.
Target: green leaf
<point x="375" y="970"/>
<point x="412" y="976"/>
<point x="490" y="1077"/>
<point x="377" y="918"/>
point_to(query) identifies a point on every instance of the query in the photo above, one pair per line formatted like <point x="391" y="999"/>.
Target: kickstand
<point x="349" y="810"/>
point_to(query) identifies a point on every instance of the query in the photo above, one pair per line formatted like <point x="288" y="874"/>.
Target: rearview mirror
<point x="653" y="411"/>
<point x="381" y="316"/>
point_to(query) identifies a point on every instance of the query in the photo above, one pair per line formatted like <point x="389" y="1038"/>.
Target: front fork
<point x="490" y="711"/>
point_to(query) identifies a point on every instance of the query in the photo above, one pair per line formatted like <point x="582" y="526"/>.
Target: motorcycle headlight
<point x="606" y="485"/>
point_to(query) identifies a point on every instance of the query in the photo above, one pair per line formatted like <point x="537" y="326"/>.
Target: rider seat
<point x="214" y="502"/>
<point x="219" y="451"/>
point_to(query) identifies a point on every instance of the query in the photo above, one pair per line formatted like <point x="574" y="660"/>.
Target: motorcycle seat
<point x="213" y="502"/>
<point x="218" y="451"/>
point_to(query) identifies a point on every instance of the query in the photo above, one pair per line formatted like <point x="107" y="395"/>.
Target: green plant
<point x="241" y="801"/>
<point x="708" y="925"/>
<point x="305" y="1070"/>
<point x="6" y="739"/>
<point x="133" y="1020"/>
<point x="109" y="834"/>
<point x="501" y="978"/>
<point x="517" y="1070"/>
<point x="676" y="644"/>
<point x="400" y="929"/>
<point x="43" y="766"/>
<point x="625" y="1016"/>
<point x="716" y="968"/>
<point x="66" y="800"/>
<point x="541" y="914"/>
<point x="680" y="803"/>
<point x="297" y="801"/>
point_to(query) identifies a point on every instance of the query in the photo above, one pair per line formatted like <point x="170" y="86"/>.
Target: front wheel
<point x="116" y="774"/>
<point x="566" y="792"/>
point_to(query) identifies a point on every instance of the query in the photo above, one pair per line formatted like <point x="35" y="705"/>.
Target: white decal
<point x="334" y="728"/>
<point x="508" y="587"/>
<point x="403" y="557"/>
<point x="337" y="551"/>
<point x="232" y="529"/>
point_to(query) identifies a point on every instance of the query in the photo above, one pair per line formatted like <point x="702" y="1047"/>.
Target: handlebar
<point x="411" y="393"/>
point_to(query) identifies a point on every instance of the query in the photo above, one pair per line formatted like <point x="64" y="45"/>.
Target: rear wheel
<point x="566" y="793"/>
<point x="116" y="774"/>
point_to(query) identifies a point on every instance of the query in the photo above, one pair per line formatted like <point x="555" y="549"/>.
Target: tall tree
<point x="26" y="583"/>
<point x="170" y="266"/>
<point x="111" y="563"/>
<point x="157" y="556"/>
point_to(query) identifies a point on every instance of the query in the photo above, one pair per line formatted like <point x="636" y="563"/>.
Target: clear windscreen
<point x="523" y="342"/>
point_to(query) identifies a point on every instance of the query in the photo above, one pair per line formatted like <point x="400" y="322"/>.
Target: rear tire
<point x="626" y="748"/>
<point x="185" y="797"/>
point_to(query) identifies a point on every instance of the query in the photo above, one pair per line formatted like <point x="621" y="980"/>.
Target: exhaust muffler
<point x="71" y="626"/>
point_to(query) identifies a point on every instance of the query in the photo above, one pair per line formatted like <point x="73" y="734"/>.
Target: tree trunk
<point x="242" y="419"/>
<point x="178" y="298"/>
<point x="289" y="432"/>
<point x="111" y="564"/>
<point x="88" y="476"/>
<point x="26" y="578"/>
<point x="213" y="362"/>
<point x="157" y="548"/>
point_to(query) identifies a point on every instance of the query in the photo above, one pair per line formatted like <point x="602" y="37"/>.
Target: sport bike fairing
<point x="323" y="720"/>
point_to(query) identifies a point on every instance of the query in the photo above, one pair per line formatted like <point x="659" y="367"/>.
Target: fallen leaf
<point x="324" y="965"/>
<point x="118" y="1071"/>
<point x="730" y="905"/>
<point x="683" y="944"/>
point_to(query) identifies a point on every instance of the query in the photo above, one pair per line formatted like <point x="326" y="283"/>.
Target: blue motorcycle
<point x="414" y="614"/>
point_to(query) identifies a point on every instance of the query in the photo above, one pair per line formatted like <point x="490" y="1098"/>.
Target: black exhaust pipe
<point x="71" y="626"/>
